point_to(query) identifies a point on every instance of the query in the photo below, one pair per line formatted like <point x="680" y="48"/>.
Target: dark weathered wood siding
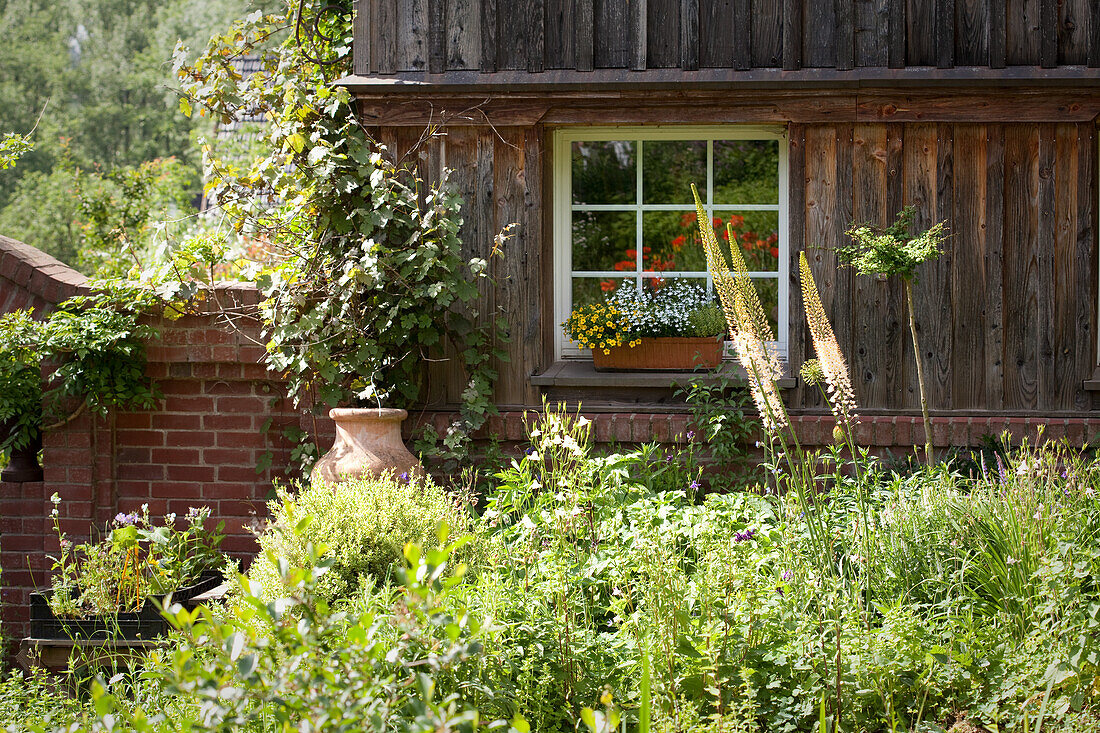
<point x="1007" y="316"/>
<point x="536" y="35"/>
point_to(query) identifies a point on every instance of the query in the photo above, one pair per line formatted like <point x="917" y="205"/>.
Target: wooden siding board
<point x="535" y="26"/>
<point x="897" y="33"/>
<point x="870" y="295"/>
<point x="796" y="159"/>
<point x="792" y="35"/>
<point x="940" y="303"/>
<point x="970" y="290"/>
<point x="900" y="371"/>
<point x="384" y="39"/>
<point x="637" y="34"/>
<point x="920" y="31"/>
<point x="998" y="40"/>
<point x="1048" y="34"/>
<point x="560" y="34"/>
<point x="361" y="36"/>
<point x="1046" y="248"/>
<point x="1065" y="381"/>
<point x="514" y="26"/>
<point x="871" y="32"/>
<point x="463" y="34"/>
<point x="945" y="33"/>
<point x="412" y="30"/>
<point x="767" y="33"/>
<point x="537" y="298"/>
<point x="612" y="34"/>
<point x="722" y="25"/>
<point x="971" y="32"/>
<point x="842" y="316"/>
<point x="1021" y="267"/>
<point x="511" y="277"/>
<point x="437" y="36"/>
<point x="1073" y="32"/>
<point x="689" y="35"/>
<point x="1022" y="33"/>
<point x="818" y="34"/>
<point x="845" y="34"/>
<point x="489" y="32"/>
<point x="662" y="36"/>
<point x="584" y="30"/>
<point x="1094" y="35"/>
<point x="1086" y="256"/>
<point x="994" y="266"/>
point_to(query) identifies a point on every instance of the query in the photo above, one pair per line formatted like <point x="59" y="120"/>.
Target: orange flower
<point x="607" y="285"/>
<point x="737" y="220"/>
<point x="774" y="252"/>
<point x="688" y="219"/>
<point x="678" y="243"/>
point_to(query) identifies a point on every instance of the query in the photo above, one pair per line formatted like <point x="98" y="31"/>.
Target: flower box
<point x="145" y="623"/>
<point x="657" y="354"/>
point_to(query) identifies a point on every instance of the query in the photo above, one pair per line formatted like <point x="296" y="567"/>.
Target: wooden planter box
<point x="144" y="624"/>
<point x="666" y="354"/>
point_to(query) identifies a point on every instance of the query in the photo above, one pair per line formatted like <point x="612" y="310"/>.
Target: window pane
<point x="604" y="240"/>
<point x="604" y="173"/>
<point x="588" y="290"/>
<point x="757" y="235"/>
<point x="670" y="242"/>
<point x="670" y="167"/>
<point x="746" y="171"/>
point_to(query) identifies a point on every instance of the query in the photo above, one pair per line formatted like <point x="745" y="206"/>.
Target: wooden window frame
<point x="563" y="208"/>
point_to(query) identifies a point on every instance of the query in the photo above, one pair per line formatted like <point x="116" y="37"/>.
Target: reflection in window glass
<point x="756" y="234"/>
<point x="604" y="240"/>
<point x="669" y="167"/>
<point x="604" y="173"/>
<point x="746" y="171"/>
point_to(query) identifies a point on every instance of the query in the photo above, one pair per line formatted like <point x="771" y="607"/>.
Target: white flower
<point x="56" y="498"/>
<point x="526" y="522"/>
<point x="1011" y="560"/>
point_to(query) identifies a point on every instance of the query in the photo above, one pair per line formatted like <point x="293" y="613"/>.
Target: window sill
<point x="582" y="374"/>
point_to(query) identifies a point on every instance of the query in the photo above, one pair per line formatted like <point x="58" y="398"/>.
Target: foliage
<point x="363" y="526"/>
<point x="366" y="278"/>
<point x="13" y="147"/>
<point x="134" y="560"/>
<point x="97" y="348"/>
<point x="626" y="316"/>
<point x="892" y="250"/>
<point x="723" y="420"/>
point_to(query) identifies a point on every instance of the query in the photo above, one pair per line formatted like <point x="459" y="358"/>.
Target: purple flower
<point x="694" y="485"/>
<point x="787" y="575"/>
<point x="779" y="589"/>
<point x="126" y="520"/>
<point x="1001" y="472"/>
<point x="691" y="435"/>
<point x="404" y="477"/>
<point x="744" y="536"/>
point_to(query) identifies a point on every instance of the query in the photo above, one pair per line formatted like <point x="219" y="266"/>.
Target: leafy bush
<point x="363" y="524"/>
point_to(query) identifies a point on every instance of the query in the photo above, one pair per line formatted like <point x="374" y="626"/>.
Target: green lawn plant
<point x="894" y="252"/>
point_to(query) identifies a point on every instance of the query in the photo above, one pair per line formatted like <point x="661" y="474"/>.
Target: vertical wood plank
<point x="537" y="298"/>
<point x="843" y="319"/>
<point x="489" y="28"/>
<point x="818" y="34"/>
<point x="870" y="353"/>
<point x="638" y="11"/>
<point x="941" y="306"/>
<point x="1022" y="36"/>
<point x="972" y="32"/>
<point x="584" y="28"/>
<point x="463" y="34"/>
<point x="897" y="33"/>
<point x="845" y="34"/>
<point x="1073" y="32"/>
<point x="1086" y="284"/>
<point x="361" y="35"/>
<point x="740" y="34"/>
<point x="821" y="227"/>
<point x="509" y="184"/>
<point x="1021" y="267"/>
<point x="384" y="37"/>
<point x="663" y="34"/>
<point x="612" y="37"/>
<point x="920" y="31"/>
<point x="970" y="289"/>
<point x="900" y="370"/>
<point x="767" y="33"/>
<point x="437" y="36"/>
<point x="1046" y="247"/>
<point x="412" y="32"/>
<point x="536" y="35"/>
<point x="796" y="216"/>
<point x="792" y="35"/>
<point x="1048" y="34"/>
<point x="721" y="22"/>
<point x="520" y="29"/>
<point x="872" y="32"/>
<point x="559" y="34"/>
<point x="1094" y="35"/>
<point x="1066" y="379"/>
<point x="994" y="267"/>
<point x="945" y="33"/>
<point x="998" y="35"/>
<point x="689" y="35"/>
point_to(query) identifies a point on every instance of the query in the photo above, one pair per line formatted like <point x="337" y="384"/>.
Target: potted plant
<point x="101" y="590"/>
<point x="673" y="326"/>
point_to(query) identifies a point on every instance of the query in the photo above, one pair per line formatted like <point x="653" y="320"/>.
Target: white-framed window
<point x="624" y="214"/>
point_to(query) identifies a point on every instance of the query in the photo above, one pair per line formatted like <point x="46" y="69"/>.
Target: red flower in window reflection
<point x="607" y="285"/>
<point x="737" y="221"/>
<point x="774" y="252"/>
<point x="688" y="220"/>
<point x="678" y="243"/>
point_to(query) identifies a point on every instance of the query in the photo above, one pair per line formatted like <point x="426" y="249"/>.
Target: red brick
<point x="136" y="489"/>
<point x="181" y="387"/>
<point x="80" y="474"/>
<point x="229" y="388"/>
<point x="248" y="354"/>
<point x="1075" y="431"/>
<point x="227" y="422"/>
<point x="903" y="427"/>
<point x="177" y="456"/>
<point x="864" y="430"/>
<point x="252" y="405"/>
<point x="959" y="432"/>
<point x="240" y="544"/>
<point x="884" y="431"/>
<point x="54" y="474"/>
<point x="622" y="427"/>
<point x="79" y="439"/>
<point x="181" y="505"/>
<point x="157" y="507"/>
<point x="141" y="472"/>
<point x="175" y="421"/>
<point x="151" y="438"/>
<point x="133" y="455"/>
<point x="190" y="438"/>
<point x="190" y="490"/>
<point x="229" y="456"/>
<point x="229" y="439"/>
<point x="202" y="404"/>
<point x="55" y="439"/>
<point x="227" y="371"/>
<point x="249" y="370"/>
<point x="237" y="473"/>
<point x="240" y="508"/>
<point x="190" y="473"/>
<point x="133" y="421"/>
<point x="679" y="425"/>
<point x="69" y="457"/>
<point x="156" y="371"/>
<point x="205" y="371"/>
<point x="641" y="429"/>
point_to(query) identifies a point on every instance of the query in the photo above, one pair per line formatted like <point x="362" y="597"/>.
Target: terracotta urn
<point x="368" y="443"/>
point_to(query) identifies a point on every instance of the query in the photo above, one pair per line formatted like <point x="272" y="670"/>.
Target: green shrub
<point x="365" y="525"/>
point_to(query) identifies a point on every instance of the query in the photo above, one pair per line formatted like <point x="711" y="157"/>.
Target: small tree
<point x="892" y="251"/>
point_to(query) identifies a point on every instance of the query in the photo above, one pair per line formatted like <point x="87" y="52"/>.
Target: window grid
<point x="564" y="193"/>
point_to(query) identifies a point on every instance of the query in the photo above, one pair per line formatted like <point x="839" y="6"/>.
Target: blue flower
<point x="404" y="477"/>
<point x="694" y="485"/>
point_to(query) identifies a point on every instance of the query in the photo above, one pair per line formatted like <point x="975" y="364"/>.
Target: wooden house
<point x="584" y="121"/>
